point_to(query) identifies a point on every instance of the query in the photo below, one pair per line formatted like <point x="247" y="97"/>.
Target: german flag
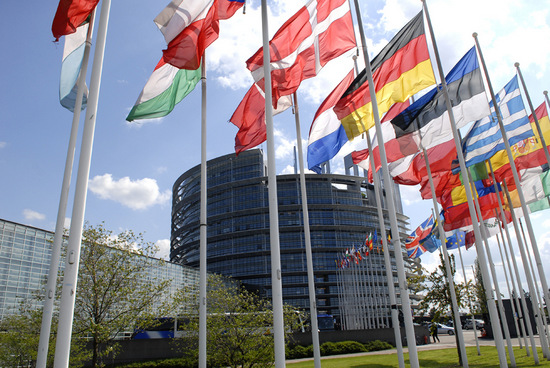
<point x="400" y="70"/>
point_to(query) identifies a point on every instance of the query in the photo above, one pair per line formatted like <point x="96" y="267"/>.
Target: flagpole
<point x="509" y="289"/>
<point x="70" y="274"/>
<point x="524" y="255"/>
<point x="276" y="283"/>
<point x="307" y="236"/>
<point x="396" y="239"/>
<point x="514" y="293"/>
<point x="534" y="245"/>
<point x="454" y="304"/>
<point x="49" y="297"/>
<point x="529" y="280"/>
<point x="546" y="97"/>
<point x="493" y="313"/>
<point x="503" y="319"/>
<point x="469" y="300"/>
<point x="539" y="130"/>
<point x="203" y="227"/>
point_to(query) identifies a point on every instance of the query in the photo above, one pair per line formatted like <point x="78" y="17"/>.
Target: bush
<point x="299" y="352"/>
<point x="343" y="347"/>
<point x="378" y="345"/>
<point x="161" y="363"/>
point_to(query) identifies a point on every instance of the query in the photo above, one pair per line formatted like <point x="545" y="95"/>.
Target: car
<point x="468" y="325"/>
<point x="443" y="329"/>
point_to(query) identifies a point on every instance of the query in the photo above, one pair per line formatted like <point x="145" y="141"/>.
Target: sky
<point x="134" y="165"/>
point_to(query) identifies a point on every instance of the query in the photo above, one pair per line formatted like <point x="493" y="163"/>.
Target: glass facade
<point x="25" y="255"/>
<point x="341" y="214"/>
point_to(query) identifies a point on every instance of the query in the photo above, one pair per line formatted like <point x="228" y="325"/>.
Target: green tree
<point x="115" y="288"/>
<point x="239" y="325"/>
<point x="479" y="297"/>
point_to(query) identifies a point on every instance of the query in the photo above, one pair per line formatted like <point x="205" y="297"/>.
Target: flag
<point x="484" y="138"/>
<point x="73" y="53"/>
<point x="326" y="134"/>
<point x="166" y="87"/>
<point x="249" y="117"/>
<point x="413" y="241"/>
<point x="320" y="31"/>
<point x="70" y="15"/>
<point x="458" y="239"/>
<point x="400" y="70"/>
<point x="468" y="100"/>
<point x="539" y="205"/>
<point x="431" y="243"/>
<point x="190" y="26"/>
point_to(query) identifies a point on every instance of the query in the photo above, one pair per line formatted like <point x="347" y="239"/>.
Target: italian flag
<point x="166" y="87"/>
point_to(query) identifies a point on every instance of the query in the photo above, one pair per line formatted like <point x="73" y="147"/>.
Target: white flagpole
<point x="72" y="261"/>
<point x="469" y="301"/>
<point x="509" y="289"/>
<point x="529" y="280"/>
<point x="524" y="207"/>
<point x="499" y="343"/>
<point x="203" y="227"/>
<point x="276" y="283"/>
<point x="47" y="311"/>
<point x="516" y="306"/>
<point x="546" y="98"/>
<point x="500" y="305"/>
<point x="539" y="130"/>
<point x="396" y="239"/>
<point x="450" y="278"/>
<point x="307" y="238"/>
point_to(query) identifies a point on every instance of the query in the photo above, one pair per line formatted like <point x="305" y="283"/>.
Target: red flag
<point x="70" y="14"/>
<point x="319" y="32"/>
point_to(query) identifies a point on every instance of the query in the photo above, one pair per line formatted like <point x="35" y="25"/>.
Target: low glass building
<point x="342" y="213"/>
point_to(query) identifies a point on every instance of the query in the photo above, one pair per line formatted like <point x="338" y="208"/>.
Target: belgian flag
<point x="400" y="70"/>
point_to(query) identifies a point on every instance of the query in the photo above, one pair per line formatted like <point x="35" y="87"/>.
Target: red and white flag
<point x="70" y="15"/>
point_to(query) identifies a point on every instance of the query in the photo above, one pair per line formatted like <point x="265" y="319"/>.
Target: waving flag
<point x="73" y="53"/>
<point x="413" y="243"/>
<point x="484" y="138"/>
<point x="190" y="26"/>
<point x="458" y="239"/>
<point x="320" y="31"/>
<point x="400" y="70"/>
<point x="70" y="15"/>
<point x="327" y="135"/>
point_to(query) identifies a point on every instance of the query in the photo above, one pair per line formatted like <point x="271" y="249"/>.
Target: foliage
<point x="112" y="293"/>
<point x="239" y="325"/>
<point x="160" y="363"/>
<point x="438" y="297"/>
<point x="479" y="295"/>
<point x="336" y="348"/>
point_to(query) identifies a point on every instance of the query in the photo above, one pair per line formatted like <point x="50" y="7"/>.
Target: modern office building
<point x="342" y="212"/>
<point x="25" y="255"/>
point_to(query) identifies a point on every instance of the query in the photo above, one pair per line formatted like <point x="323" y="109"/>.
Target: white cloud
<point x="3" y="144"/>
<point x="410" y="194"/>
<point x="33" y="215"/>
<point x="163" y="246"/>
<point x="137" y="195"/>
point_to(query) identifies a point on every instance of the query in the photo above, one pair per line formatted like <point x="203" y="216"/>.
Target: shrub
<point x="378" y="345"/>
<point x="343" y="347"/>
<point x="299" y="352"/>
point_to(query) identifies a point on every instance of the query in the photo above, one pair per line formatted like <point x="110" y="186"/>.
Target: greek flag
<point x="484" y="138"/>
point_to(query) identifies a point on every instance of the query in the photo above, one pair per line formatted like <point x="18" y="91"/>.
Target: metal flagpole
<point x="514" y="293"/>
<point x="47" y="311"/>
<point x="524" y="207"/>
<point x="276" y="283"/>
<point x="387" y="261"/>
<point x="493" y="313"/>
<point x="396" y="239"/>
<point x="70" y="275"/>
<point x="307" y="236"/>
<point x="509" y="290"/>
<point x="539" y="130"/>
<point x="546" y="97"/>
<point x="520" y="289"/>
<point x="500" y="305"/>
<point x="524" y="256"/>
<point x="458" y="327"/>
<point x="203" y="226"/>
<point x="469" y="302"/>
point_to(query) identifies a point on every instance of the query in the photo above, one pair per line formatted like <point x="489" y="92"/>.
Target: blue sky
<point x="135" y="165"/>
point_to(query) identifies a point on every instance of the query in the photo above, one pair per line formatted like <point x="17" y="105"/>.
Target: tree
<point x="115" y="288"/>
<point x="239" y="325"/>
<point x="479" y="296"/>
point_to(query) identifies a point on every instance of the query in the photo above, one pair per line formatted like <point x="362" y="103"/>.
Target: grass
<point x="444" y="358"/>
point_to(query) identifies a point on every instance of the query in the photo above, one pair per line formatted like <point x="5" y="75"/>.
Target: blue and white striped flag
<point x="484" y="138"/>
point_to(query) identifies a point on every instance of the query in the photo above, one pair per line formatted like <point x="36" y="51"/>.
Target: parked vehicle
<point x="468" y="325"/>
<point x="441" y="328"/>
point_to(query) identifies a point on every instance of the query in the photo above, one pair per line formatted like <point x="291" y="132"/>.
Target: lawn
<point x="444" y="358"/>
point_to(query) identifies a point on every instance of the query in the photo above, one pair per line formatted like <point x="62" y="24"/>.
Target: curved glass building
<point x="342" y="213"/>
